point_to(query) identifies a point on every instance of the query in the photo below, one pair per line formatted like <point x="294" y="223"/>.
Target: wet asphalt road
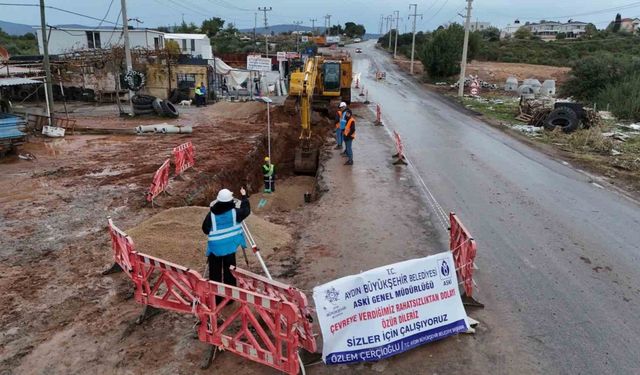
<point x="558" y="256"/>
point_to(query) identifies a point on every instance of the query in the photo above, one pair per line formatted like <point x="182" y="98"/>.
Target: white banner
<point x="257" y="62"/>
<point x="281" y="56"/>
<point x="389" y="310"/>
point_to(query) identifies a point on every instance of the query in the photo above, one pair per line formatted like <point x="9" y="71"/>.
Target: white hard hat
<point x="343" y="105"/>
<point x="225" y="195"/>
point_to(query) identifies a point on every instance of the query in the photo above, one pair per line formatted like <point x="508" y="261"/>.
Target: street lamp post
<point x="268" y="101"/>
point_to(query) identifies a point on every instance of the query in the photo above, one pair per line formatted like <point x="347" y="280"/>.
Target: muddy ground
<point x="59" y="314"/>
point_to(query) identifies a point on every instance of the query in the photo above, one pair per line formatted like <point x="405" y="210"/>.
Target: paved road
<point x="559" y="256"/>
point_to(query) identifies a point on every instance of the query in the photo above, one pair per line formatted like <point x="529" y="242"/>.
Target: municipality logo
<point x="332" y="295"/>
<point x="444" y="269"/>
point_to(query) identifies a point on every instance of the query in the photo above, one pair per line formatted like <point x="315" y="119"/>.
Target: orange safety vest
<point x="339" y="117"/>
<point x="351" y="124"/>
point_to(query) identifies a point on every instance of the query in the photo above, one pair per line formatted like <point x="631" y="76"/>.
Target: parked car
<point x="358" y="50"/>
<point x="357" y="40"/>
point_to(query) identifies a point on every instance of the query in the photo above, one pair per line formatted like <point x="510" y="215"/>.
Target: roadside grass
<point x="502" y="109"/>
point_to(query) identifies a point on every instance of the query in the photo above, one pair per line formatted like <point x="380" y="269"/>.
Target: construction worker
<point x="349" y="135"/>
<point x="203" y="93"/>
<point x="223" y="227"/>
<point x="198" y="96"/>
<point x="269" y="173"/>
<point x="340" y="124"/>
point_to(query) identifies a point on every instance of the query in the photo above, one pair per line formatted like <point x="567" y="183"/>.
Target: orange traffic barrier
<point x="399" y="150"/>
<point x="160" y="181"/>
<point x="463" y="247"/>
<point x="266" y="321"/>
<point x="183" y="157"/>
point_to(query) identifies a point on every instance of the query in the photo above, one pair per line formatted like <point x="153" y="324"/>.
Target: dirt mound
<point x="235" y="111"/>
<point x="498" y="72"/>
<point x="176" y="235"/>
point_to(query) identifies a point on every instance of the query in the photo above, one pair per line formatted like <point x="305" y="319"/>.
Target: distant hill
<point x="277" y="29"/>
<point x="15" y="28"/>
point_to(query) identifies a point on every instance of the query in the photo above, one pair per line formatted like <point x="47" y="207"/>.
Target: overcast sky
<point x="241" y="12"/>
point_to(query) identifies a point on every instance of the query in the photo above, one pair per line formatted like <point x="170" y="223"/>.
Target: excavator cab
<point x="331" y="78"/>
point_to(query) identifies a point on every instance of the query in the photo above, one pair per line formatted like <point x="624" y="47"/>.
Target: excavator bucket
<point x="306" y="161"/>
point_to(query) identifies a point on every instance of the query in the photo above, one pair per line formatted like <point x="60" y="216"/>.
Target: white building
<point x="196" y="45"/>
<point x="508" y="31"/>
<point x="63" y="40"/>
<point x="479" y="26"/>
<point x="630" y="25"/>
<point x="549" y="30"/>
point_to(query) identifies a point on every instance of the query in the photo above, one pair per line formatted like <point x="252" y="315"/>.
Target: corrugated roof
<point x="184" y="36"/>
<point x="17" y="81"/>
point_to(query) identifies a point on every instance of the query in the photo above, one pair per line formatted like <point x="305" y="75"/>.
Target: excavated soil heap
<point x="176" y="235"/>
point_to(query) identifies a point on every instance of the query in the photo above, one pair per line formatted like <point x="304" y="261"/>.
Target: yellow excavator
<point x="321" y="82"/>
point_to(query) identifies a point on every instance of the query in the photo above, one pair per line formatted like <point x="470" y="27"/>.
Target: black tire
<point x="143" y="112"/>
<point x="563" y="117"/>
<point x="143" y="99"/>
<point x="168" y="109"/>
<point x="143" y="107"/>
<point x="157" y="106"/>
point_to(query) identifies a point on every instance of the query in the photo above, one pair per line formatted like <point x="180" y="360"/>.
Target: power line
<point x="56" y="8"/>
<point x="106" y="14"/>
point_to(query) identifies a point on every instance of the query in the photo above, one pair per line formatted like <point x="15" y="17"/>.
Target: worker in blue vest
<point x="203" y="94"/>
<point x="198" y="95"/>
<point x="223" y="227"/>
<point x="341" y="122"/>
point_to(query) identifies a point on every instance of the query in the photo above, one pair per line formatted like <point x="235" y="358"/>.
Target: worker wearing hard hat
<point x="223" y="227"/>
<point x="341" y="122"/>
<point x="269" y="174"/>
<point x="349" y="135"/>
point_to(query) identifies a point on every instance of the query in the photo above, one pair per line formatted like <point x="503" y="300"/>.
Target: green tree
<point x="212" y="26"/>
<point x="561" y="36"/>
<point x="186" y="28"/>
<point x="523" y="33"/>
<point x="491" y="34"/>
<point x="442" y="53"/>
<point x="353" y="30"/>
<point x="617" y="23"/>
<point x="590" y="31"/>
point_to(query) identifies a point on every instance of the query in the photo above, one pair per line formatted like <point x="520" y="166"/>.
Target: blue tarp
<point x="11" y="126"/>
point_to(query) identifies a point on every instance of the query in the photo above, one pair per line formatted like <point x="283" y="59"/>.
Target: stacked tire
<point x="563" y="117"/>
<point x="147" y="105"/>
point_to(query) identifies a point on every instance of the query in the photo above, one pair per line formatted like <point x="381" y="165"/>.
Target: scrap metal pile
<point x="568" y="116"/>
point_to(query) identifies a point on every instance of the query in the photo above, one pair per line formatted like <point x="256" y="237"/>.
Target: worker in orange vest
<point x="349" y="135"/>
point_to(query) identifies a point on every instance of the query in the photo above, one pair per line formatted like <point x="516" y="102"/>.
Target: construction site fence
<point x="183" y="157"/>
<point x="463" y="247"/>
<point x="160" y="181"/>
<point x="265" y="321"/>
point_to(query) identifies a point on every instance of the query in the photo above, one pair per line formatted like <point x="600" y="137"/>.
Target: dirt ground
<point x="59" y="314"/>
<point x="498" y="72"/>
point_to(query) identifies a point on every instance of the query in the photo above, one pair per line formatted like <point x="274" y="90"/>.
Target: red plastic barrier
<point x="266" y="332"/>
<point x="378" y="115"/>
<point x="184" y="157"/>
<point x="463" y="247"/>
<point x="160" y="181"/>
<point x="264" y="325"/>
<point x="164" y="285"/>
<point x="260" y="284"/>
<point x="122" y="246"/>
<point x="399" y="149"/>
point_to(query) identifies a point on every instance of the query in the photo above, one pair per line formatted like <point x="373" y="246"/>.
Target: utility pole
<point x="47" y="66"/>
<point x="390" y="26"/>
<point x="313" y="25"/>
<point x="297" y="23"/>
<point x="127" y="50"/>
<point x="255" y="24"/>
<point x="413" y="43"/>
<point x="395" y="48"/>
<point x="266" y="34"/>
<point x="328" y="27"/>
<point x="381" y="23"/>
<point x="463" y="63"/>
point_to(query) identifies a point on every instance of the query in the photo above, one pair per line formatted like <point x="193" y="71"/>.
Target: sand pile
<point x="176" y="235"/>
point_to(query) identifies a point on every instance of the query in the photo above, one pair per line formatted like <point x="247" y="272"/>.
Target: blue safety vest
<point x="343" y="120"/>
<point x="225" y="235"/>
